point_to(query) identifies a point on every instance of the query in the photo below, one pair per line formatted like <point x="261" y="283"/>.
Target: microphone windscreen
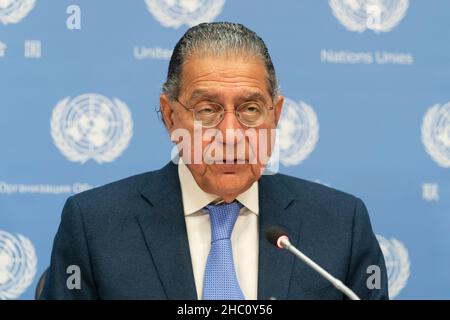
<point x="274" y="233"/>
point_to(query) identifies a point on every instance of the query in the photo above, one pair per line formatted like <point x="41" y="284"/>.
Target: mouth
<point x="235" y="161"/>
<point x="230" y="167"/>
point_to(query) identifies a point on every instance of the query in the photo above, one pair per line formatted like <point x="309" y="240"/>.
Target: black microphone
<point x="278" y="237"/>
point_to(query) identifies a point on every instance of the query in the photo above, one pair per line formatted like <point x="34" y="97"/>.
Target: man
<point x="196" y="230"/>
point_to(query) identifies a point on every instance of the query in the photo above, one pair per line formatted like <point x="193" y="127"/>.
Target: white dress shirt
<point x="244" y="238"/>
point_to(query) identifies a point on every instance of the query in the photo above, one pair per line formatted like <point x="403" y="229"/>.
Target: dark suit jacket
<point x="129" y="240"/>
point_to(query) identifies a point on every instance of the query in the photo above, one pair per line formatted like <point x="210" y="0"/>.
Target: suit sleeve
<point x="70" y="248"/>
<point x="365" y="253"/>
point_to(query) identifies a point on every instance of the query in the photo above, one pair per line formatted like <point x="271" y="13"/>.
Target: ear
<point x="277" y="108"/>
<point x="167" y="112"/>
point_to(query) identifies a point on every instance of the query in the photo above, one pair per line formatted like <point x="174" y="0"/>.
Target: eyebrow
<point x="200" y="93"/>
<point x="253" y="96"/>
<point x="205" y="94"/>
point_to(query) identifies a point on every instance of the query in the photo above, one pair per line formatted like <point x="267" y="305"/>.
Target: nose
<point x="231" y="123"/>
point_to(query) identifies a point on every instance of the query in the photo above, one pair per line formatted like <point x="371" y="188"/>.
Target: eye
<point x="207" y="109"/>
<point x="250" y="109"/>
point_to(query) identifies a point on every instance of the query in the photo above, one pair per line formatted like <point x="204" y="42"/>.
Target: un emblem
<point x="12" y="11"/>
<point x="376" y="15"/>
<point x="298" y="130"/>
<point x="18" y="263"/>
<point x="397" y="264"/>
<point x="436" y="134"/>
<point x="91" y="126"/>
<point x="174" y="13"/>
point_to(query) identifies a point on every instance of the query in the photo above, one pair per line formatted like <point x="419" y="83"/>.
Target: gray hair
<point x="217" y="38"/>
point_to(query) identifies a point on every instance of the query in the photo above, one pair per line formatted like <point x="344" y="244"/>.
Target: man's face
<point x="228" y="81"/>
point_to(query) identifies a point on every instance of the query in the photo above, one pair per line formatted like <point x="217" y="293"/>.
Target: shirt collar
<point x="195" y="199"/>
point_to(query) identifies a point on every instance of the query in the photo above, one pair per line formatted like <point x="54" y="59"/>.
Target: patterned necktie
<point x="220" y="281"/>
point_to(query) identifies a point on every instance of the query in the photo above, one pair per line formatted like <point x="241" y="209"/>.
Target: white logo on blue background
<point x="298" y="130"/>
<point x="436" y="134"/>
<point x="12" y="11"/>
<point x="397" y="264"/>
<point x="375" y="15"/>
<point x="18" y="265"/>
<point x="91" y="126"/>
<point x="2" y="49"/>
<point x="174" y="13"/>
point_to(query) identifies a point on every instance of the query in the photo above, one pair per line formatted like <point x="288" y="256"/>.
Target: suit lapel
<point x="277" y="207"/>
<point x="164" y="230"/>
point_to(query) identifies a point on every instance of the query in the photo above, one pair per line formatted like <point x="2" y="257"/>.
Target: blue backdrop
<point x="368" y="112"/>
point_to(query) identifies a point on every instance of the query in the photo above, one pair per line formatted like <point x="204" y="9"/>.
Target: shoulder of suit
<point x="127" y="192"/>
<point x="316" y="194"/>
<point x="122" y="192"/>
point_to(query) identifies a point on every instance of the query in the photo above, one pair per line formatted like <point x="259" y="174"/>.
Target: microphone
<point x="278" y="237"/>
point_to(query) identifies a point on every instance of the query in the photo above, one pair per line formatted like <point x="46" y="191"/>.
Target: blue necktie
<point x="220" y="281"/>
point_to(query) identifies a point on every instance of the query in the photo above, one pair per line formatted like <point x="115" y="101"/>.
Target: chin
<point x="230" y="183"/>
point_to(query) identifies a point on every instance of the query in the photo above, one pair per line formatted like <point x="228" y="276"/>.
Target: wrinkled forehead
<point x="212" y="76"/>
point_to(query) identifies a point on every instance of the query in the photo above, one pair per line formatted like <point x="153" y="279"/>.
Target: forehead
<point x="224" y="76"/>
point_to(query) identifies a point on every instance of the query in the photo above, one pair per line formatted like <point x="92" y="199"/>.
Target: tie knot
<point x="223" y="217"/>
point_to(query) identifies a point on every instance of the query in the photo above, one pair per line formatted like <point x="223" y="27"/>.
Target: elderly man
<point x="195" y="230"/>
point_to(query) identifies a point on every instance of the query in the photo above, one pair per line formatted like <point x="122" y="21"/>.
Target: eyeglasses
<point x="210" y="114"/>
